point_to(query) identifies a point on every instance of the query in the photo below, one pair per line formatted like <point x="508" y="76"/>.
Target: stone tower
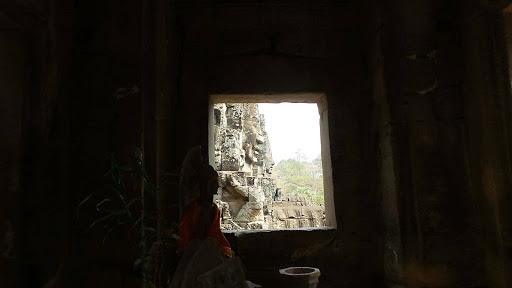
<point x="244" y="161"/>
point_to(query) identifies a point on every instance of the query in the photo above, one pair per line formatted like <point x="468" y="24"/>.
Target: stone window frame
<point x="317" y="98"/>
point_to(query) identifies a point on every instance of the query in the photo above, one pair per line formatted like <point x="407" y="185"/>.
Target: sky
<point x="290" y="127"/>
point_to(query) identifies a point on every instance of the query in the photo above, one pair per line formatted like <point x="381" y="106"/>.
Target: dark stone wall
<point x="11" y="111"/>
<point x="447" y="89"/>
<point x="34" y="58"/>
<point x="62" y="63"/>
<point x="419" y="110"/>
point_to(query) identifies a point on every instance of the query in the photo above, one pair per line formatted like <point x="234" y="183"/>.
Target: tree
<point x="300" y="156"/>
<point x="299" y="177"/>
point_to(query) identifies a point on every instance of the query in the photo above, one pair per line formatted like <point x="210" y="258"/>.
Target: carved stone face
<point x="241" y="160"/>
<point x="248" y="153"/>
<point x="270" y="168"/>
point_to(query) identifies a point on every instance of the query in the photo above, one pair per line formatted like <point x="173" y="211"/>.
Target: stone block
<point x="238" y="179"/>
<point x="292" y="223"/>
<point x="279" y="213"/>
<point x="313" y="212"/>
<point x="254" y="205"/>
<point x="305" y="223"/>
<point x="231" y="148"/>
<point x="226" y="226"/>
<point x="235" y="205"/>
<point x="257" y="225"/>
<point x="239" y="190"/>
<point x="256" y="195"/>
<point x="250" y="212"/>
<point x="234" y="115"/>
<point x="278" y="224"/>
<point x="266" y="185"/>
<point x="230" y="163"/>
<point x="318" y="223"/>
<point x="235" y="193"/>
<point x="294" y="213"/>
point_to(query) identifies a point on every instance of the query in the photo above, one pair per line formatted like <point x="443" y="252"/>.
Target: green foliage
<point x="298" y="177"/>
<point x="122" y="204"/>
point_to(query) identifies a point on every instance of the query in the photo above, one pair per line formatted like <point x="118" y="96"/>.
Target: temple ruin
<point x="248" y="195"/>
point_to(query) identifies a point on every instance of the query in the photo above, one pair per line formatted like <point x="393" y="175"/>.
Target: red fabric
<point x="189" y="223"/>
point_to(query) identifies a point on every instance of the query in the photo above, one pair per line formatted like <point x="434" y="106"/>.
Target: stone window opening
<point x="240" y="150"/>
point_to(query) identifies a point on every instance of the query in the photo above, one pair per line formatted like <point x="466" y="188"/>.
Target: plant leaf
<point x="85" y="200"/>
<point x="82" y="203"/>
<point x="99" y="220"/>
<point x="101" y="202"/>
<point x="137" y="263"/>
<point x="117" y="212"/>
<point x="137" y="221"/>
<point x="149" y="229"/>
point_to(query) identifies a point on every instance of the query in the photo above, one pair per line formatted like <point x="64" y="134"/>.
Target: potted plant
<point x="129" y="206"/>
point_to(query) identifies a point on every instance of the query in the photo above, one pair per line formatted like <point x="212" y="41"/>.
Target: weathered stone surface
<point x="224" y="208"/>
<point x="232" y="155"/>
<point x="268" y="186"/>
<point x="296" y="208"/>
<point x="292" y="223"/>
<point x="256" y="195"/>
<point x="257" y="225"/>
<point x="234" y="114"/>
<point x="243" y="158"/>
<point x="254" y="205"/>
<point x="241" y="190"/>
<point x="313" y="212"/>
<point x="250" y="212"/>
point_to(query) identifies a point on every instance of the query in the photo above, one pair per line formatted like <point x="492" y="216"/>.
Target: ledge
<point x="237" y="233"/>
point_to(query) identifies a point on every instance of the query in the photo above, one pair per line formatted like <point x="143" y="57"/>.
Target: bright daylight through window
<point x="269" y="159"/>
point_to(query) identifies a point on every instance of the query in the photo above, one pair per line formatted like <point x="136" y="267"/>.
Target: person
<point x="206" y="257"/>
<point x="202" y="216"/>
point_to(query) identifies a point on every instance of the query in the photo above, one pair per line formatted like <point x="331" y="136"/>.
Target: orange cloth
<point x="189" y="223"/>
